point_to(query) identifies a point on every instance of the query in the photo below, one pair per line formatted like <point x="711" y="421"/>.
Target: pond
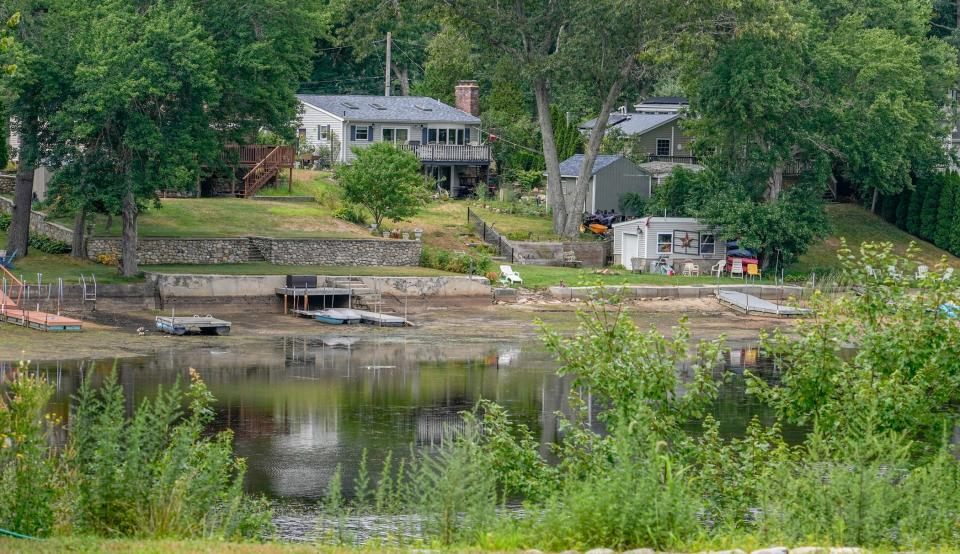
<point x="299" y="407"/>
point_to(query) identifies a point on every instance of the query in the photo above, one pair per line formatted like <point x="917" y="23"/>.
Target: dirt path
<point x="110" y="334"/>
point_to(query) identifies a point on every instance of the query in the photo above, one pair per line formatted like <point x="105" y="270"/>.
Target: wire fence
<point x="491" y="236"/>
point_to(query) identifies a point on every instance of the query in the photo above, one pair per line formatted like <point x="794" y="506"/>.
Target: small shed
<point x="613" y="176"/>
<point x="678" y="239"/>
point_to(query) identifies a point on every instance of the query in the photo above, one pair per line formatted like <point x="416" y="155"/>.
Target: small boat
<point x="334" y="316"/>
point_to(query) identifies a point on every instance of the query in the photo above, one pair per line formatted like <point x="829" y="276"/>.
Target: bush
<point x="474" y="263"/>
<point x="110" y="260"/>
<point x="5" y="221"/>
<point x="49" y="245"/>
<point x="352" y="213"/>
<point x="528" y="180"/>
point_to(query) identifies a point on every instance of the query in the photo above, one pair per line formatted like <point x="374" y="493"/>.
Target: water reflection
<point x="301" y="407"/>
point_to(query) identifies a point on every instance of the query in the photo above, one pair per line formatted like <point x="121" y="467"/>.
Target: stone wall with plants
<point x="39" y="224"/>
<point x="7" y="183"/>
<point x="307" y="251"/>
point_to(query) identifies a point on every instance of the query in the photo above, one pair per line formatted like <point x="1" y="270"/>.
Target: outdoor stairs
<point x="363" y="297"/>
<point x="254" y="254"/>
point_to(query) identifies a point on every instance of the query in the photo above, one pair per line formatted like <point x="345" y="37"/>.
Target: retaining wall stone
<point x="39" y="224"/>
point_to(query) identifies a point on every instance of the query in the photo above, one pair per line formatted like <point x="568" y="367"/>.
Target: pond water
<point x="299" y="407"/>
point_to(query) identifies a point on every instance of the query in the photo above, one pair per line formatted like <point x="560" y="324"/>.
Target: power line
<point x="408" y="56"/>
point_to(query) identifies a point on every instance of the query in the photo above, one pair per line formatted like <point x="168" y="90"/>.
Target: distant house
<point x="612" y="177"/>
<point x="656" y="128"/>
<point x="447" y="139"/>
<point x="640" y="241"/>
<point x="659" y="171"/>
<point x="41" y="175"/>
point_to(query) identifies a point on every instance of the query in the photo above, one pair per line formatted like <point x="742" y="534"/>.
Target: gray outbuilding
<point x="612" y="177"/>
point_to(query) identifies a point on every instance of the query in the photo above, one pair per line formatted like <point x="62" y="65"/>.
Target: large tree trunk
<point x="78" y="249"/>
<point x="403" y="77"/>
<point x="555" y="193"/>
<point x="128" y="247"/>
<point x="775" y="184"/>
<point x="578" y="197"/>
<point x="18" y="236"/>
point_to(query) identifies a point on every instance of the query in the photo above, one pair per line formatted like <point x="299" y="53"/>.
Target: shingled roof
<point x="570" y="167"/>
<point x="634" y="123"/>
<point x="406" y="109"/>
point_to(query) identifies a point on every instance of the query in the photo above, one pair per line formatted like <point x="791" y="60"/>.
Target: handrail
<point x="260" y="169"/>
<point x="18" y="282"/>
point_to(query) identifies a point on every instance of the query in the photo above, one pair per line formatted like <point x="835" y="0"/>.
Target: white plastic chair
<point x="691" y="269"/>
<point x="948" y="274"/>
<point x="894" y="273"/>
<point x="509" y="276"/>
<point x="922" y="271"/>
<point x="736" y="268"/>
<point x="717" y="268"/>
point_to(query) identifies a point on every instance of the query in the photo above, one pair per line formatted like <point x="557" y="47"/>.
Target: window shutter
<point x="424" y="141"/>
<point x="370" y="133"/>
<point x="466" y="136"/>
<point x="353" y="132"/>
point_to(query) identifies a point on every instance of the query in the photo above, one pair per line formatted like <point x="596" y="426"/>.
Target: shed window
<point x="708" y="243"/>
<point x="362" y="131"/>
<point x="663" y="147"/>
<point x="664" y="243"/>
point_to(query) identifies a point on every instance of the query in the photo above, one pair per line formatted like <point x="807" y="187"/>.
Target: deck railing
<point x="450" y="152"/>
<point x="253" y="154"/>
<point x="672" y="159"/>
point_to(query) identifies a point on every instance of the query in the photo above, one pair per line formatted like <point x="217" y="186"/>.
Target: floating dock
<point x="340" y="316"/>
<point x="204" y="325"/>
<point x="34" y="319"/>
<point x="749" y="304"/>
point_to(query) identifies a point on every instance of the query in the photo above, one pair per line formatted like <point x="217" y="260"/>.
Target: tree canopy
<point x="385" y="180"/>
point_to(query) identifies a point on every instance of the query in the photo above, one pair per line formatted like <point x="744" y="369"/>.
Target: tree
<point x="385" y="180"/>
<point x="946" y="212"/>
<point x="594" y="44"/>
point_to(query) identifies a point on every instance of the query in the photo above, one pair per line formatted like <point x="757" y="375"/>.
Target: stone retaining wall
<point x="39" y="224"/>
<point x="7" y="183"/>
<point x="341" y="252"/>
<point x="551" y="253"/>
<point x="236" y="286"/>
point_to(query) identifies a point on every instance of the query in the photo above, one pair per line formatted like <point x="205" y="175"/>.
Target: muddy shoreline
<point x="112" y="330"/>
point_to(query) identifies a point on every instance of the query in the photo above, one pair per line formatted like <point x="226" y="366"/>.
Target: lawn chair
<point x="736" y="268"/>
<point x="509" y="277"/>
<point x="948" y="274"/>
<point x="753" y="272"/>
<point x="690" y="269"/>
<point x="894" y="273"/>
<point x="922" y="271"/>
<point x="872" y="272"/>
<point x="570" y="259"/>
<point x="7" y="261"/>
<point x="718" y="268"/>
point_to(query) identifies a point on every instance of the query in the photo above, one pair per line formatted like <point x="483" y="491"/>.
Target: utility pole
<point x="386" y="70"/>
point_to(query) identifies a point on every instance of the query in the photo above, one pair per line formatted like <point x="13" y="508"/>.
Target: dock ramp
<point x="751" y="305"/>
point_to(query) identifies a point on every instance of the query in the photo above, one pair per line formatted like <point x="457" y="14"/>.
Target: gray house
<point x="613" y="176"/>
<point x="656" y="128"/>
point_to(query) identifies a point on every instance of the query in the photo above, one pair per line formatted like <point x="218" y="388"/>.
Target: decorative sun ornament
<point x="686" y="241"/>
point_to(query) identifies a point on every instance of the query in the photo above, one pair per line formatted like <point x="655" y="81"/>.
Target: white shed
<point x="640" y="241"/>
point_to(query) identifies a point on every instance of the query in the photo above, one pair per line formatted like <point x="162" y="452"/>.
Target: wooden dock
<point x="299" y="298"/>
<point x="33" y="319"/>
<point x="344" y="315"/>
<point x="749" y="304"/>
<point x="205" y="325"/>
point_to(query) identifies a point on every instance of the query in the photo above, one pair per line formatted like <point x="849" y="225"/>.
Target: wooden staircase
<point x="267" y="169"/>
<point x="257" y="165"/>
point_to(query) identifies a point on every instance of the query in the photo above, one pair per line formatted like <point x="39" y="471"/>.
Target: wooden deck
<point x="41" y="321"/>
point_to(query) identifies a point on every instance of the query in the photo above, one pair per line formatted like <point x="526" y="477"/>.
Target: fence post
<point x="484" y="235"/>
<point x="468" y="214"/>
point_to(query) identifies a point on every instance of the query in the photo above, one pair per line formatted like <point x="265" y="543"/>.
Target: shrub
<point x="5" y="221"/>
<point x="528" y="180"/>
<point x="475" y="263"/>
<point x="351" y="212"/>
<point x="49" y="245"/>
<point x="109" y="259"/>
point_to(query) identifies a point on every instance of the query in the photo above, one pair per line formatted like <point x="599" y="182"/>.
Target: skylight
<point x="378" y="106"/>
<point x="423" y="108"/>
<point x="351" y="105"/>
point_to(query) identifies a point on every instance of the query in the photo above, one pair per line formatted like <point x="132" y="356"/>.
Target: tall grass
<point x="156" y="474"/>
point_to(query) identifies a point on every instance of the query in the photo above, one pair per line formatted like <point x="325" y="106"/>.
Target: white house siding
<point x="311" y="119"/>
<point x="651" y="227"/>
<point x="415" y="133"/>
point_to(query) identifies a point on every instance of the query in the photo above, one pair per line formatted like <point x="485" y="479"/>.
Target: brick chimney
<point x="467" y="95"/>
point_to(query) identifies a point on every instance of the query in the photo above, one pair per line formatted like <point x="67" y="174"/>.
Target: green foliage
<point x="30" y="485"/>
<point x="4" y="222"/>
<point x="474" y="263"/>
<point x="528" y="180"/>
<point x="156" y="474"/>
<point x="385" y="180"/>
<point x="930" y="211"/>
<point x="49" y="245"/>
<point x="352" y="213"/>
<point x="635" y="204"/>
<point x="568" y="137"/>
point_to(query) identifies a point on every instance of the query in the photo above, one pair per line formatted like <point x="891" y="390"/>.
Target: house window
<point x="708" y="244"/>
<point x="442" y="136"/>
<point x="446" y="136"/>
<point x="663" y="147"/>
<point x="362" y="133"/>
<point x="302" y="134"/>
<point x="664" y="243"/>
<point x="459" y="136"/>
<point x="432" y="136"/>
<point x="396" y="136"/>
<point x="323" y="132"/>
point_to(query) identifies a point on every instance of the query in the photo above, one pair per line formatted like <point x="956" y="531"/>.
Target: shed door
<point x="629" y="250"/>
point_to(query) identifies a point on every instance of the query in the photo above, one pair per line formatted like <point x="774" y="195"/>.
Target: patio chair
<point x="872" y="272"/>
<point x="570" y="259"/>
<point x="948" y="274"/>
<point x="509" y="277"/>
<point x="690" y="269"/>
<point x="7" y="261"/>
<point x="636" y="265"/>
<point x="894" y="273"/>
<point x="753" y="272"/>
<point x="922" y="271"/>
<point x="717" y="268"/>
<point x="736" y="268"/>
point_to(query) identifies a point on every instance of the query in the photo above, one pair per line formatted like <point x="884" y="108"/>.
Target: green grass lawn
<point x="55" y="266"/>
<point x="541" y="277"/>
<point x="305" y="183"/>
<point x="858" y="225"/>
<point x="269" y="269"/>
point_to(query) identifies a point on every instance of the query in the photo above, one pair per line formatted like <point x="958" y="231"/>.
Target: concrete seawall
<point x="767" y="292"/>
<point x="237" y="286"/>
